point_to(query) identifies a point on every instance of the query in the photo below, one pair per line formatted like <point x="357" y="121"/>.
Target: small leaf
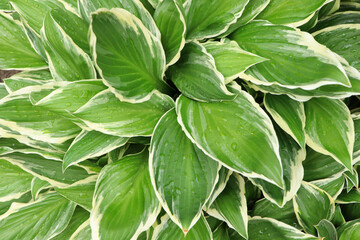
<point x="333" y="185"/>
<point x="349" y="197"/>
<point x="37" y="185"/>
<point x="326" y="230"/>
<point x="196" y="76"/>
<point x="182" y="175"/>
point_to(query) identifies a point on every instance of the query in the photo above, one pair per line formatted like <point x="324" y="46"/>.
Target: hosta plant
<point x="180" y="119"/>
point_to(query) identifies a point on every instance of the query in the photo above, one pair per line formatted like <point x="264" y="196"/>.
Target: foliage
<point x="180" y="119"/>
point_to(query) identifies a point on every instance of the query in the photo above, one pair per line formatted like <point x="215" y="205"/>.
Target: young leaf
<point x="15" y="49"/>
<point x="294" y="57"/>
<point x="230" y="206"/>
<point x="123" y="118"/>
<point x="53" y="213"/>
<point x="326" y="230"/>
<point x="124" y="202"/>
<point x="230" y="132"/>
<point x="171" y="23"/>
<point x="182" y="175"/>
<point x="196" y="76"/>
<point x="37" y="185"/>
<point x="120" y="39"/>
<point x="330" y="132"/>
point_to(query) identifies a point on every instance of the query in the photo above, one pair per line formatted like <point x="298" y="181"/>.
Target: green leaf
<point x="78" y="218"/>
<point x="351" y="233"/>
<point x="81" y="194"/>
<point x="133" y="6"/>
<point x="333" y="185"/>
<point x="230" y="59"/>
<point x="347" y="45"/>
<point x="221" y="233"/>
<point x="338" y="218"/>
<point x="20" y="222"/>
<point x="311" y="205"/>
<point x="123" y="118"/>
<point x="50" y="170"/>
<point x="356" y="153"/>
<point x="128" y="56"/>
<point x="288" y="114"/>
<point x="196" y="76"/>
<point x="338" y="18"/>
<point x="184" y="184"/>
<point x="171" y="23"/>
<point x="349" y="197"/>
<point x="4" y="206"/>
<point x="234" y="143"/>
<point x="295" y="13"/>
<point x="215" y="18"/>
<point x="326" y="230"/>
<point x="294" y="57"/>
<point x="37" y="185"/>
<point x="67" y="61"/>
<point x="230" y="206"/>
<point x="83" y="232"/>
<point x="124" y="202"/>
<point x="14" y="181"/>
<point x="3" y="91"/>
<point x="27" y="78"/>
<point x="15" y="49"/>
<point x="337" y="142"/>
<point x="89" y="145"/>
<point x="273" y="229"/>
<point x="168" y="230"/>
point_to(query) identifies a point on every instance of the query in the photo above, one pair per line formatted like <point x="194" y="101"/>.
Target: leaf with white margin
<point x="123" y="118"/>
<point x="273" y="229"/>
<point x="130" y="59"/>
<point x="14" y="181"/>
<point x="347" y="46"/>
<point x="230" y="206"/>
<point x="181" y="174"/>
<point x="356" y="152"/>
<point x="291" y="158"/>
<point x="79" y="217"/>
<point x="224" y="175"/>
<point x="351" y="233"/>
<point x="37" y="185"/>
<point x="293" y="13"/>
<point x="338" y="18"/>
<point x="81" y="194"/>
<point x="171" y="23"/>
<point x="215" y="18"/>
<point x="311" y="205"/>
<point x="196" y="76"/>
<point x="288" y="114"/>
<point x="230" y="59"/>
<point x="326" y="230"/>
<point x="333" y="185"/>
<point x="50" y="170"/>
<point x="83" y="232"/>
<point x="168" y="230"/>
<point x="330" y="132"/>
<point x="349" y="197"/>
<point x="235" y="143"/>
<point x="221" y="233"/>
<point x="3" y="91"/>
<point x="294" y="57"/>
<point x="4" y="206"/>
<point x="125" y="203"/>
<point x="15" y="49"/>
<point x="87" y="7"/>
<point x="53" y="214"/>
<point x="18" y="114"/>
<point x="89" y="145"/>
<point x="27" y="78"/>
<point x="67" y="61"/>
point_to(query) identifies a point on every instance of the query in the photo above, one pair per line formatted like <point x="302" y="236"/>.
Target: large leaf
<point x="182" y="175"/>
<point x="294" y="57"/>
<point x="123" y="118"/>
<point x="42" y="219"/>
<point x="230" y="206"/>
<point x="133" y="6"/>
<point x="129" y="57"/>
<point x="15" y="49"/>
<point x="67" y="61"/>
<point x="168" y="230"/>
<point x="230" y="59"/>
<point x="288" y="114"/>
<point x="351" y="233"/>
<point x="89" y="145"/>
<point x="311" y="205"/>
<point x="295" y="12"/>
<point x="196" y="76"/>
<point x="215" y="18"/>
<point x="170" y="20"/>
<point x="330" y="132"/>
<point x="230" y="132"/>
<point x="14" y="181"/>
<point x="124" y="203"/>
